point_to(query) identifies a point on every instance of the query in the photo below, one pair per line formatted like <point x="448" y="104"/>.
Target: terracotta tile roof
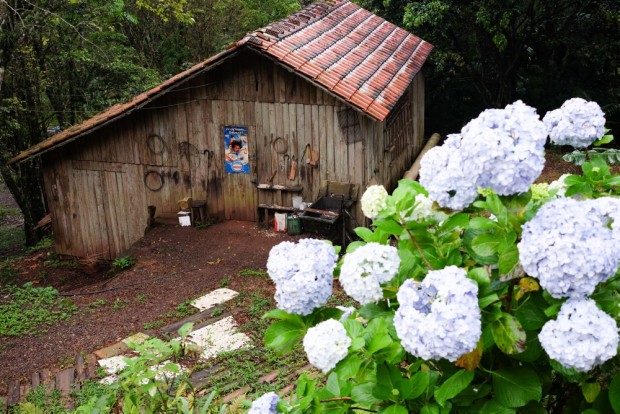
<point x="354" y="54"/>
<point x="347" y="50"/>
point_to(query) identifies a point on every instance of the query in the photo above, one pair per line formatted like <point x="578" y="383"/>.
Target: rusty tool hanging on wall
<point x="293" y="172"/>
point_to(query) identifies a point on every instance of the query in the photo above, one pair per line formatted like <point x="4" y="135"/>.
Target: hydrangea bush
<point x="475" y="290"/>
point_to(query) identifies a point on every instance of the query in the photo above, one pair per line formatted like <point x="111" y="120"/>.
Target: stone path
<point x="212" y="335"/>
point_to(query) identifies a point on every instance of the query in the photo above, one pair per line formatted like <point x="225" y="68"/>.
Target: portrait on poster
<point x="236" y="149"/>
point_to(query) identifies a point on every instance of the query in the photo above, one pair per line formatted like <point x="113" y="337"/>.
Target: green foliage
<point x="596" y="181"/>
<point x="30" y="310"/>
<point x="11" y="237"/>
<point x="252" y="272"/>
<point x="41" y="400"/>
<point x="489" y="54"/>
<point x="45" y="243"/>
<point x="151" y="383"/>
<point x="508" y="371"/>
<point x="183" y="309"/>
<point x="123" y="263"/>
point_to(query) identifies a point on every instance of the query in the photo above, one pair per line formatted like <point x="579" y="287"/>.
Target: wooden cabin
<point x="332" y="89"/>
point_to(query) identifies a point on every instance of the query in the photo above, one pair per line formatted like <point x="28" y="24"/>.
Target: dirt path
<point x="174" y="264"/>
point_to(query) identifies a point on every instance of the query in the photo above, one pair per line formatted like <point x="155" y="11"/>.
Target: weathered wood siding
<point x="100" y="186"/>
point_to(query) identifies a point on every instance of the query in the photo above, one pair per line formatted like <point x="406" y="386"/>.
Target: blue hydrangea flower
<point x="511" y="143"/>
<point x="570" y="246"/>
<point x="577" y="123"/>
<point x="326" y="344"/>
<point x="581" y="337"/>
<point x="439" y="317"/>
<point x="265" y="405"/>
<point x="303" y="274"/>
<point x="449" y="178"/>
<point x="501" y="149"/>
<point x="364" y="269"/>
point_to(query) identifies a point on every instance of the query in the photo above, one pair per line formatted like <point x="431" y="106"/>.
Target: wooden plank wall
<point x="174" y="148"/>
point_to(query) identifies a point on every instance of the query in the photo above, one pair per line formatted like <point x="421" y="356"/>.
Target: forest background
<point x="62" y="61"/>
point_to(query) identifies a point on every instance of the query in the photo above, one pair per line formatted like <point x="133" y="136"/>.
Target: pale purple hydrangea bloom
<point x="364" y="269"/>
<point x="577" y="123"/>
<point x="581" y="337"/>
<point x="440" y="316"/>
<point x="511" y="144"/>
<point x="303" y="274"/>
<point x="374" y="200"/>
<point x="326" y="344"/>
<point x="265" y="405"/>
<point x="569" y="245"/>
<point x="449" y="178"/>
<point x="501" y="149"/>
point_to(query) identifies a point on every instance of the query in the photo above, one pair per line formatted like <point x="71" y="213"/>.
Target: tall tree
<point x="61" y="62"/>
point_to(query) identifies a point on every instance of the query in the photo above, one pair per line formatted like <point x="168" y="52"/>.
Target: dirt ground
<point x="173" y="264"/>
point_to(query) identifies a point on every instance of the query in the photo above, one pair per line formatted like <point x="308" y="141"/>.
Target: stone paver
<point x="137" y="339"/>
<point x="214" y="298"/>
<point x="219" y="337"/>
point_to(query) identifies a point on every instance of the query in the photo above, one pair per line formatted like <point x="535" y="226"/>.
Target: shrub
<point x="499" y="299"/>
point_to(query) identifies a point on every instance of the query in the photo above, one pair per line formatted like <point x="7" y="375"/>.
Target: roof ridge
<point x="299" y="20"/>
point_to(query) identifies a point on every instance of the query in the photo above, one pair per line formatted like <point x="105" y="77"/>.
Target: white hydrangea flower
<point x="303" y="274"/>
<point x="364" y="269"/>
<point x="265" y="405"/>
<point x="569" y="245"/>
<point x="421" y="210"/>
<point x="326" y="344"/>
<point x="440" y="316"/>
<point x="577" y="123"/>
<point x="582" y="336"/>
<point x="559" y="185"/>
<point x="374" y="200"/>
<point x="501" y="149"/>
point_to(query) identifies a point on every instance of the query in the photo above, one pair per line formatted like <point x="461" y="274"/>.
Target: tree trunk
<point x="24" y="182"/>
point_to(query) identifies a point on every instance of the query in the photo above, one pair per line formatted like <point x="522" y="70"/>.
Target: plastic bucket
<point x="184" y="219"/>
<point x="293" y="224"/>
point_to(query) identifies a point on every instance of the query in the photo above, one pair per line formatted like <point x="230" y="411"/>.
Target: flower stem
<point x="413" y="239"/>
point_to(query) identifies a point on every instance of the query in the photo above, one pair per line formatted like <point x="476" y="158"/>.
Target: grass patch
<point x="11" y="237"/>
<point x="45" y="243"/>
<point x="8" y="273"/>
<point x="253" y="272"/>
<point x="50" y="402"/>
<point x="183" y="310"/>
<point x="89" y="389"/>
<point x="29" y="310"/>
<point x="153" y="325"/>
<point x="9" y="212"/>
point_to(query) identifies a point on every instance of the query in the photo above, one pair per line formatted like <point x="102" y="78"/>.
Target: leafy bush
<point x="507" y="302"/>
<point x="124" y="262"/>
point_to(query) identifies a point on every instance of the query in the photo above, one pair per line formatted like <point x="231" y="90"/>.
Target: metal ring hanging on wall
<point x="284" y="145"/>
<point x="153" y="141"/>
<point x="147" y="181"/>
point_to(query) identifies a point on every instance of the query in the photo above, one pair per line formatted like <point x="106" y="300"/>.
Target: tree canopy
<point x="489" y="53"/>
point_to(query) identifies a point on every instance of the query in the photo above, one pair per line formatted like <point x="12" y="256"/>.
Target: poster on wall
<point x="236" y="149"/>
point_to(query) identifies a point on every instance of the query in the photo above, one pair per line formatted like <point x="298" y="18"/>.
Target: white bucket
<point x="184" y="218"/>
<point x="297" y="202"/>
